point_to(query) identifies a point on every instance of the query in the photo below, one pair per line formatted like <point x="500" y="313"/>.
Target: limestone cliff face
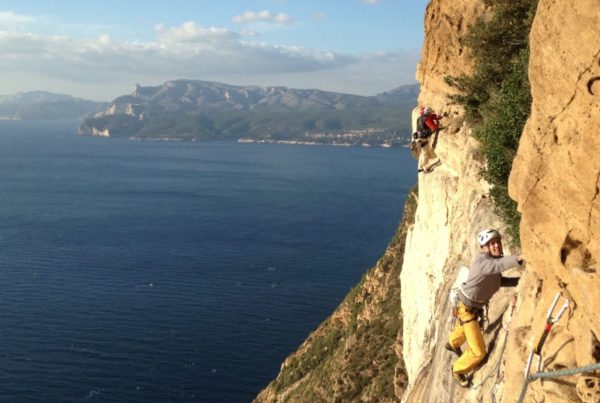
<point x="446" y="22"/>
<point x="556" y="181"/>
<point x="438" y="240"/>
<point x="453" y="207"/>
<point x="101" y="133"/>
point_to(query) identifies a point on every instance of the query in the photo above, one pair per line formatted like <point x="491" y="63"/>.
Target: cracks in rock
<point x="447" y="204"/>
<point x="561" y="284"/>
<point x="570" y="157"/>
<point x="594" y="200"/>
<point x="538" y="177"/>
<point x="589" y="85"/>
<point x="543" y="144"/>
<point x="551" y="359"/>
<point x="530" y="192"/>
<point x="539" y="283"/>
<point x="552" y="118"/>
<point x="595" y="347"/>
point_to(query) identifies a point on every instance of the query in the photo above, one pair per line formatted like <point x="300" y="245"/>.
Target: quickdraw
<point x="550" y="321"/>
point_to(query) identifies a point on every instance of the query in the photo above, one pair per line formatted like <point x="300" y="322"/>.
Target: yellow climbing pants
<point x="467" y="329"/>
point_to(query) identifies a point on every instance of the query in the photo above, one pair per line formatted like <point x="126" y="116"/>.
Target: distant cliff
<point x="555" y="180"/>
<point x="46" y="105"/>
<point x="196" y="110"/>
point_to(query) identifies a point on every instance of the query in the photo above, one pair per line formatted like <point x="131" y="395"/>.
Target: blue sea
<point x="176" y="271"/>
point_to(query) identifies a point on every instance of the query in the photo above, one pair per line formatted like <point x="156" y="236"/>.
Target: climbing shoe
<point x="456" y="351"/>
<point x="462" y="380"/>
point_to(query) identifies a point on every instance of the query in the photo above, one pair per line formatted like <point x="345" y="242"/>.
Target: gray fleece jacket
<point x="484" y="279"/>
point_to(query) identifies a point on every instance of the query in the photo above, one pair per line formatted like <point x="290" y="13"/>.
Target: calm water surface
<point x="176" y="272"/>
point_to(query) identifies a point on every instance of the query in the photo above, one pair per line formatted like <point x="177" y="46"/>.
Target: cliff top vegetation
<point x="496" y="97"/>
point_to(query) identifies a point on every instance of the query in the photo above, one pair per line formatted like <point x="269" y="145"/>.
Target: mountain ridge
<point x="200" y="110"/>
<point x="46" y="105"/>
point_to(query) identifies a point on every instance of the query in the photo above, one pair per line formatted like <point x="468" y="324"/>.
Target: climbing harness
<point x="453" y="297"/>
<point x="483" y="317"/>
<point x="453" y="313"/>
<point x="481" y="314"/>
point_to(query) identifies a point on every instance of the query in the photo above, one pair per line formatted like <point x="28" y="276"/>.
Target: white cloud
<point x="191" y="32"/>
<point x="8" y="18"/>
<point x="250" y="32"/>
<point x="369" y="74"/>
<point x="188" y="49"/>
<point x="371" y="2"/>
<point x="103" y="67"/>
<point x="264" y="16"/>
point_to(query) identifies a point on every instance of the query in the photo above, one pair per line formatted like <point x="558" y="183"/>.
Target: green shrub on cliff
<point x="506" y="114"/>
<point x="496" y="97"/>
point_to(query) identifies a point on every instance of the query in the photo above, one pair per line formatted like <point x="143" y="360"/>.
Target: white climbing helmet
<point x="487" y="235"/>
<point x="426" y="110"/>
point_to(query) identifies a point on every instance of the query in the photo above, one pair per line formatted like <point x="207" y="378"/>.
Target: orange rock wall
<point x="556" y="181"/>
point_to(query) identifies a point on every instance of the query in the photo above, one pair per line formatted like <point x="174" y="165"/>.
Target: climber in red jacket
<point x="427" y="124"/>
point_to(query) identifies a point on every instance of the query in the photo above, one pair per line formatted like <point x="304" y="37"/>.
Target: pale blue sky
<point x="100" y="49"/>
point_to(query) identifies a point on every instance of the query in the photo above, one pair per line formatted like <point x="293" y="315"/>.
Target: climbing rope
<point x="565" y="372"/>
<point x="556" y="374"/>
<point x="537" y="351"/>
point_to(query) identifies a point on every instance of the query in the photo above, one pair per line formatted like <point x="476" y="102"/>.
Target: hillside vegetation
<point x="199" y="110"/>
<point x="496" y="97"/>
